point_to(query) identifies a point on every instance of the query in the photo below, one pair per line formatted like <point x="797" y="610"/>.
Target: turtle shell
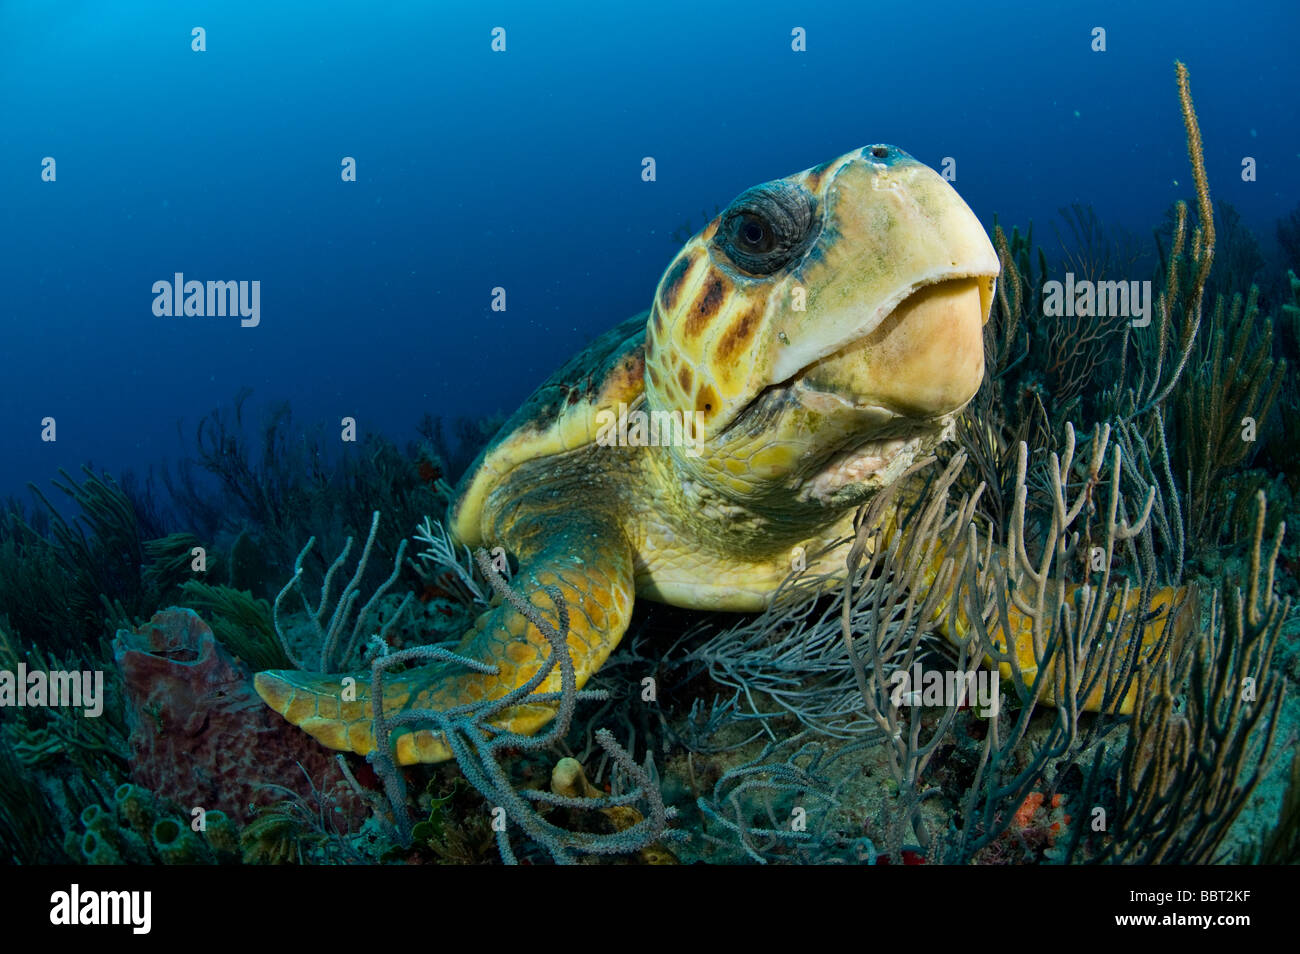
<point x="560" y="416"/>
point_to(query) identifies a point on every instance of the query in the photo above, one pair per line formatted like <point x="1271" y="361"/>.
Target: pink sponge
<point x="199" y="733"/>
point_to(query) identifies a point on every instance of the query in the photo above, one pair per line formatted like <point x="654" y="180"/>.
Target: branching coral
<point x="28" y="819"/>
<point x="1222" y="405"/>
<point x="1088" y="544"/>
<point x="793" y="787"/>
<point x="1092" y="251"/>
<point x="1073" y="657"/>
<point x="44" y="736"/>
<point x="1184" y="776"/>
<point x="106" y="561"/>
<point x="792" y="659"/>
<point x="1090" y="631"/>
<point x="440" y="565"/>
<point x="1204" y="697"/>
<point x="1160" y="363"/>
<point x="1073" y="348"/>
<point x="893" y="630"/>
<point x="336" y="638"/>
<point x="789" y="660"/>
<point x="283" y="479"/>
<point x="66" y="582"/>
<point x="37" y="596"/>
<point x="300" y="827"/>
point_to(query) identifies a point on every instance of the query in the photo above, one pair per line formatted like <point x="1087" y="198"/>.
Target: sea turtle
<point x="808" y="345"/>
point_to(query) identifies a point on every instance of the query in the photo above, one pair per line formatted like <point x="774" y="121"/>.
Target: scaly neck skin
<point x="787" y="469"/>
<point x="699" y="547"/>
<point x="725" y="514"/>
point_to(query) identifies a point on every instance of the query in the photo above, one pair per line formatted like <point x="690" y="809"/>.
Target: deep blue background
<point x="522" y="170"/>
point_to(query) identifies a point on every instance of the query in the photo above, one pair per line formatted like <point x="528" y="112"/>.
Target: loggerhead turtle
<point x="820" y="334"/>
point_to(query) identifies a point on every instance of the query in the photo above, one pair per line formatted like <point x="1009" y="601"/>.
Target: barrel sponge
<point x="199" y="733"/>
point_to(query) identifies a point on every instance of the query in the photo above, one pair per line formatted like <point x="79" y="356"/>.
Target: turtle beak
<point x="898" y="288"/>
<point x="924" y="360"/>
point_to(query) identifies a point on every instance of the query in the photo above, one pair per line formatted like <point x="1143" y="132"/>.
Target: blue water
<point x="522" y="170"/>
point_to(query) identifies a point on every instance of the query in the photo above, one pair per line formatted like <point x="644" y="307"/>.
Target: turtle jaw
<point x="847" y="476"/>
<point x="923" y="361"/>
<point x="853" y="448"/>
<point x="866" y="412"/>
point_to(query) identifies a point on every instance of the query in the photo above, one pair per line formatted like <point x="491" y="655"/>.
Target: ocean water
<point x="521" y="170"/>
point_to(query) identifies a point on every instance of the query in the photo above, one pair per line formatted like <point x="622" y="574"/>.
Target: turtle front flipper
<point x="588" y="561"/>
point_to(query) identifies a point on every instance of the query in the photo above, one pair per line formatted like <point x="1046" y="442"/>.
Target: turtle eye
<point x="754" y="235"/>
<point x="767" y="227"/>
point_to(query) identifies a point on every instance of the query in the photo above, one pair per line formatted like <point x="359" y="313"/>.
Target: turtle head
<point x="824" y="329"/>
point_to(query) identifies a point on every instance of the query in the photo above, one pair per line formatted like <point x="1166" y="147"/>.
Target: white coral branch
<point x="440" y="554"/>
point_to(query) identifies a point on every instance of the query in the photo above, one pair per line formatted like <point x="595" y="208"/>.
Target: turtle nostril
<point x="880" y="152"/>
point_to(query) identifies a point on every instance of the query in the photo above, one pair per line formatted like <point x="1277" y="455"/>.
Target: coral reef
<point x="1027" y="784"/>
<point x="334" y="643"/>
<point x="788" y="783"/>
<point x="775" y="737"/>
